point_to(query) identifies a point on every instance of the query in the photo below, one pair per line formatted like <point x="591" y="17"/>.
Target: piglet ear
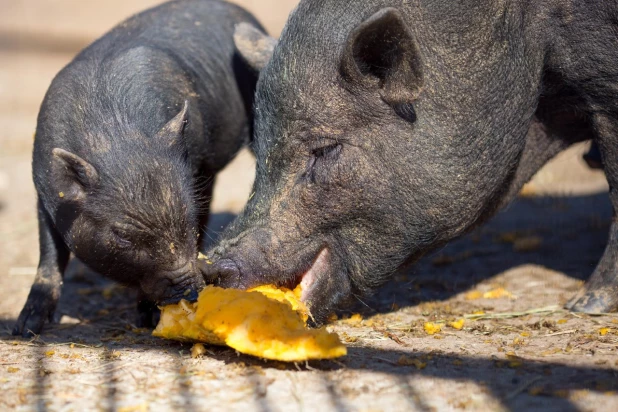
<point x="72" y="175"/>
<point x="382" y="54"/>
<point x="174" y="130"/>
<point x="255" y="47"/>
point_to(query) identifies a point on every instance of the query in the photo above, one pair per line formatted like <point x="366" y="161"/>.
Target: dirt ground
<point x="517" y="349"/>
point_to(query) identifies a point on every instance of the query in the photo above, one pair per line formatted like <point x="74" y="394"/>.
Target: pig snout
<point x="270" y="253"/>
<point x="317" y="269"/>
<point x="223" y="272"/>
<point x="240" y="262"/>
<point x="174" y="285"/>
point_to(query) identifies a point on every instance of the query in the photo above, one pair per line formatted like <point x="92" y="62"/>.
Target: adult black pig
<point x="384" y="129"/>
<point x="129" y="138"/>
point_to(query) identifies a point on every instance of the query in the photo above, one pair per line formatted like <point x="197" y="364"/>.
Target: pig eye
<point x="331" y="150"/>
<point x="120" y="238"/>
<point x="318" y="166"/>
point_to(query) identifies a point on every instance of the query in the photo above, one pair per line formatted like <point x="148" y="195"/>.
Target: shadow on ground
<point x="570" y="232"/>
<point x="516" y="384"/>
<point x="573" y="232"/>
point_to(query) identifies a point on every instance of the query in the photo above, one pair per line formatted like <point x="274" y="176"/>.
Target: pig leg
<point x="600" y="293"/>
<point x="593" y="157"/>
<point x="147" y="311"/>
<point x="45" y="291"/>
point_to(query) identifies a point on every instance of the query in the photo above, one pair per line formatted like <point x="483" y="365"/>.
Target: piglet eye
<point x="120" y="238"/>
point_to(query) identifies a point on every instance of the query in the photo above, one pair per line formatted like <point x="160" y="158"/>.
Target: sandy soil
<point x="519" y="351"/>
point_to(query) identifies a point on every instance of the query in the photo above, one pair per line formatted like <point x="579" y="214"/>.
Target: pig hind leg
<point x="600" y="293"/>
<point x="45" y="292"/>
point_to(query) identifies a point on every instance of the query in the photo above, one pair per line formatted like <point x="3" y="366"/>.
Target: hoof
<point x="600" y="301"/>
<point x="38" y="310"/>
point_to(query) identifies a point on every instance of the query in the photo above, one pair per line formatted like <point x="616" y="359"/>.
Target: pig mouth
<point x="313" y="273"/>
<point x="322" y="275"/>
<point x="308" y="278"/>
<point x="325" y="284"/>
<point x="184" y="283"/>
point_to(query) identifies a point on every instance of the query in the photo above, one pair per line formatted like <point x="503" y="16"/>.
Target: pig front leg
<point x="148" y="313"/>
<point x="593" y="157"/>
<point x="600" y="293"/>
<point x="45" y="291"/>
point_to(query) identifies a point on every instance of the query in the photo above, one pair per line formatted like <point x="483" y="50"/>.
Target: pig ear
<point x="72" y="175"/>
<point x="174" y="130"/>
<point x="254" y="46"/>
<point x="381" y="53"/>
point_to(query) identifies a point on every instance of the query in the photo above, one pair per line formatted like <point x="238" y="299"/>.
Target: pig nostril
<point x="224" y="271"/>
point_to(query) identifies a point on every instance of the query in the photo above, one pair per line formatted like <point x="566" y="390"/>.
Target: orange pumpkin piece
<point x="266" y="322"/>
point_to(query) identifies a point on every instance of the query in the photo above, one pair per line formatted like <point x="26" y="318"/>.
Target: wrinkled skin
<point x="383" y="130"/>
<point x="129" y="139"/>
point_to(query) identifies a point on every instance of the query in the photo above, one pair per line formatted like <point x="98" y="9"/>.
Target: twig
<point x="311" y="368"/>
<point x="51" y="345"/>
<point x="341" y="364"/>
<point x="359" y="299"/>
<point x="390" y="336"/>
<point x="77" y="345"/>
<point x="565" y="332"/>
<point x="406" y="329"/>
<point x="386" y="360"/>
<point x="506" y="315"/>
<point x="19" y="343"/>
<point x="522" y="388"/>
